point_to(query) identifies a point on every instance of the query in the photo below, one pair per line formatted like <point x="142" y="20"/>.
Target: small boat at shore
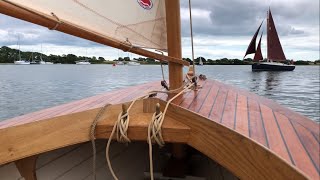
<point x="133" y="63"/>
<point x="189" y="128"/>
<point x="276" y="60"/>
<point x="83" y="62"/>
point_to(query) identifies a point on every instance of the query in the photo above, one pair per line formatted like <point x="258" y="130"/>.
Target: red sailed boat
<point x="276" y="60"/>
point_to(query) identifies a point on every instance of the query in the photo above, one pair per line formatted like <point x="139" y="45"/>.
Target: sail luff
<point x="252" y="46"/>
<point x="26" y="14"/>
<point x="258" y="55"/>
<point x="275" y="51"/>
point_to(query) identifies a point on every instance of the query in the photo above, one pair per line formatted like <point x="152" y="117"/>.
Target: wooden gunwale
<point x="290" y="144"/>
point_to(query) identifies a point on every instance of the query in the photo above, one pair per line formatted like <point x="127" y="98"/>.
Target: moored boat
<point x="276" y="60"/>
<point x="83" y="62"/>
<point x="21" y="61"/>
<point x="133" y="63"/>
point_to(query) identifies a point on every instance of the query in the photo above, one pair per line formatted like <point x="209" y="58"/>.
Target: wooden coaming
<point x="251" y="136"/>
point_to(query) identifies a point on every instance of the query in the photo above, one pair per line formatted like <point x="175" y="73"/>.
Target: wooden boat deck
<point x="289" y="135"/>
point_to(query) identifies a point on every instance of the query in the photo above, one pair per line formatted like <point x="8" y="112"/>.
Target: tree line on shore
<point x="8" y="55"/>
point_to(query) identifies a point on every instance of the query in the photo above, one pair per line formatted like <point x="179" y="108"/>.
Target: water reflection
<point x="256" y="81"/>
<point x="273" y="80"/>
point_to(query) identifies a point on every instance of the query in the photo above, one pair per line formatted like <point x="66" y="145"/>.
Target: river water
<point x="29" y="88"/>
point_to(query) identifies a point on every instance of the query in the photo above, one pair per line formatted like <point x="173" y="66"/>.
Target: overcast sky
<point x="222" y="28"/>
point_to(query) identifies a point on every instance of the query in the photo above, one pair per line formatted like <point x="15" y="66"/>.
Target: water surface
<point x="29" y="88"/>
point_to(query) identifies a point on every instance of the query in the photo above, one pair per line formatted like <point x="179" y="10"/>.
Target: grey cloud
<point x="31" y="34"/>
<point x="239" y="17"/>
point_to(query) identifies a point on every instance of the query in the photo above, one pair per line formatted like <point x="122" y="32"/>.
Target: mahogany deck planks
<point x="206" y="108"/>
<point x="297" y="151"/>
<point x="192" y="97"/>
<point x="229" y="113"/>
<point x="310" y="144"/>
<point x="199" y="100"/>
<point x="241" y="122"/>
<point x="256" y="126"/>
<point x="218" y="106"/>
<point x="276" y="142"/>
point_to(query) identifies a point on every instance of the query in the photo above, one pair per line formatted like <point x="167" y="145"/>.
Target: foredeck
<point x="291" y="136"/>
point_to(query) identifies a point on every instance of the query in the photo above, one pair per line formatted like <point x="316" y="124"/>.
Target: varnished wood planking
<point x="210" y="100"/>
<point x="199" y="100"/>
<point x="276" y="142"/>
<point x="192" y="97"/>
<point x="241" y="124"/>
<point x="228" y="118"/>
<point x="309" y="142"/>
<point x="294" y="116"/>
<point x="298" y="153"/>
<point x="256" y="126"/>
<point x="218" y="106"/>
<point x="242" y="156"/>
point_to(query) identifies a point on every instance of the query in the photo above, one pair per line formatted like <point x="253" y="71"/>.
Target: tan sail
<point x="275" y="51"/>
<point x="120" y="20"/>
<point x="138" y="29"/>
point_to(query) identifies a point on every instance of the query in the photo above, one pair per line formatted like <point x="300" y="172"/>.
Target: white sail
<point x="141" y="22"/>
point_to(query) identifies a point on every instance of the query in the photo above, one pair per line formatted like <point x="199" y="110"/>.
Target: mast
<point x="19" y="48"/>
<point x="275" y="51"/>
<point x="174" y="42"/>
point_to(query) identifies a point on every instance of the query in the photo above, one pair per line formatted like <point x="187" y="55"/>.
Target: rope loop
<point x="155" y="129"/>
<point x="128" y="44"/>
<point x="58" y="22"/>
<point x="122" y="127"/>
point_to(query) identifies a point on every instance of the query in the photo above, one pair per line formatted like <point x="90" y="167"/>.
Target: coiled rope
<point x="154" y="128"/>
<point x="121" y="126"/>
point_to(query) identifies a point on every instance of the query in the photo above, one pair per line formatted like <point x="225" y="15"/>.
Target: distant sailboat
<point x="276" y="58"/>
<point x="83" y="62"/>
<point x="41" y="60"/>
<point x="200" y="62"/>
<point x="21" y="61"/>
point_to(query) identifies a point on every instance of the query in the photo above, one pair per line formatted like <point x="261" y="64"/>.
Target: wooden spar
<point x="175" y="70"/>
<point x="50" y="22"/>
<point x="174" y="42"/>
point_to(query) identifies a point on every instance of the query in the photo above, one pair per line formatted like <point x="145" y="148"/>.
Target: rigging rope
<point x="122" y="124"/>
<point x="154" y="128"/>
<point x="92" y="137"/>
<point x="191" y="33"/>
